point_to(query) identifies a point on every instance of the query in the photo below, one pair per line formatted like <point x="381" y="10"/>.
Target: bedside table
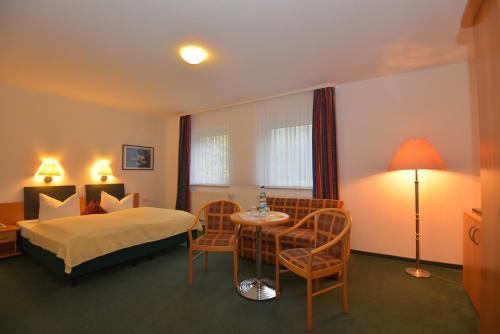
<point x="8" y="242"/>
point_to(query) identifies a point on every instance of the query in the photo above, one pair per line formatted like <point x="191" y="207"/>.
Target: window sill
<point x="288" y="188"/>
<point x="211" y="185"/>
<point x="266" y="187"/>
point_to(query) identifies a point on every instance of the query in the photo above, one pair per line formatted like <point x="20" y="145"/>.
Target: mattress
<point x="78" y="239"/>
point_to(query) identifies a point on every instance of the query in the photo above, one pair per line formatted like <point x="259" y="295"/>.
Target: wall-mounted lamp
<point x="104" y="171"/>
<point x="49" y="169"/>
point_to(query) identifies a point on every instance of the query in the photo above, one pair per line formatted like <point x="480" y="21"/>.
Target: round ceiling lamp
<point x="193" y="54"/>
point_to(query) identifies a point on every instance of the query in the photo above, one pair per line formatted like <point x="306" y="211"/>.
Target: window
<point x="290" y="159"/>
<point x="210" y="159"/>
<point x="284" y="143"/>
<point x="265" y="143"/>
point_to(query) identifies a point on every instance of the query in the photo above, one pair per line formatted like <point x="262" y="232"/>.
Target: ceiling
<point x="123" y="53"/>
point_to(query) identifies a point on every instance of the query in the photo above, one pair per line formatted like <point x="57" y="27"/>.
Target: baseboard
<point x="407" y="259"/>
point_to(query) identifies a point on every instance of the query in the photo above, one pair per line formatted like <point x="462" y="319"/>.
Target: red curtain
<point x="325" y="163"/>
<point x="183" y="192"/>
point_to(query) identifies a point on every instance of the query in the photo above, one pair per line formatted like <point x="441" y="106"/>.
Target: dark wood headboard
<point x="32" y="197"/>
<point x="93" y="191"/>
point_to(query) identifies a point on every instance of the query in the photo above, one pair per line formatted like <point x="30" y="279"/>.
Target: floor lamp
<point x="417" y="154"/>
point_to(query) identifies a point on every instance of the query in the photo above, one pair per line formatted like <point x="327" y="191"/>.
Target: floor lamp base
<point x="419" y="273"/>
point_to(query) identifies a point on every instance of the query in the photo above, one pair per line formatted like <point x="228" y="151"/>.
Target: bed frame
<point x="56" y="265"/>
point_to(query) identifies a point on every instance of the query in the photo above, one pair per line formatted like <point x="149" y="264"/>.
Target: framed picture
<point x="138" y="157"/>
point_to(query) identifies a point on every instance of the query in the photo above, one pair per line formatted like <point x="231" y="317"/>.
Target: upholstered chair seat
<point x="215" y="240"/>
<point x="221" y="235"/>
<point x="300" y="256"/>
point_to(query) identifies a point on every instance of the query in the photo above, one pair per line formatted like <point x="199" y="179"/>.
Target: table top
<point x="253" y="219"/>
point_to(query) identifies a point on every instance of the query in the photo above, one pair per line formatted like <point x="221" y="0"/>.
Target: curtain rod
<point x="307" y="89"/>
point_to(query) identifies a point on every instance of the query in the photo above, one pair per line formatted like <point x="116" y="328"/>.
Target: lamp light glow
<point x="193" y="54"/>
<point x="104" y="170"/>
<point x="49" y="168"/>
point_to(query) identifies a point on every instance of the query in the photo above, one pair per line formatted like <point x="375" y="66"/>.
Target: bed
<point x="74" y="246"/>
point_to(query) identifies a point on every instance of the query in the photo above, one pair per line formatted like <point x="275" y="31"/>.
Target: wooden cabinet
<point x="484" y="17"/>
<point x="472" y="257"/>
<point x="8" y="241"/>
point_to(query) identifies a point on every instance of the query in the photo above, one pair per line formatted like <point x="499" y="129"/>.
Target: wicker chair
<point x="332" y="229"/>
<point x="221" y="235"/>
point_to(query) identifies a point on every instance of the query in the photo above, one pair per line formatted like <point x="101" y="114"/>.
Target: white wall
<point x="374" y="117"/>
<point x="35" y="125"/>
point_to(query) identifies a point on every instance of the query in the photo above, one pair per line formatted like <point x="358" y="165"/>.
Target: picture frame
<point x="136" y="157"/>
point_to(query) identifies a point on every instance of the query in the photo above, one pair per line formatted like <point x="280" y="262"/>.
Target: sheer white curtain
<point x="265" y="143"/>
<point x="289" y="163"/>
<point x="209" y="154"/>
<point x="284" y="156"/>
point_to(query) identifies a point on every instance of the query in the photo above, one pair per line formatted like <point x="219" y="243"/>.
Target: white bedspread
<point x="82" y="238"/>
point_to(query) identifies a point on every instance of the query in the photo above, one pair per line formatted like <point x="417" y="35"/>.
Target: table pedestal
<point x="258" y="288"/>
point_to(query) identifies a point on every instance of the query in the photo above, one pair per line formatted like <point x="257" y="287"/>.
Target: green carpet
<point x="154" y="298"/>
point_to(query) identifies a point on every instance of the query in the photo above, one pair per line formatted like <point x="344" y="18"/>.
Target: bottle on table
<point x="262" y="202"/>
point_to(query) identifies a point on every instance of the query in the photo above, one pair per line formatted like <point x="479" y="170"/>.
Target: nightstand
<point x="8" y="241"/>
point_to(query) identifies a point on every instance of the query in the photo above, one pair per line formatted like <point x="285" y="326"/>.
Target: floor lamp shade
<point x="417" y="154"/>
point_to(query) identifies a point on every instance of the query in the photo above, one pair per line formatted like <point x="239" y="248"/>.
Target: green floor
<point x="154" y="298"/>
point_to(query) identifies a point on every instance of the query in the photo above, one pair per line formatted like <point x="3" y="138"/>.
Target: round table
<point x="258" y="288"/>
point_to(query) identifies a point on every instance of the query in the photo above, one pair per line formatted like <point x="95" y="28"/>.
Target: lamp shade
<point x="104" y="170"/>
<point x="49" y="169"/>
<point x="416" y="154"/>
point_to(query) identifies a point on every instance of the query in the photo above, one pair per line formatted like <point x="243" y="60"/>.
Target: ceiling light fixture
<point x="193" y="54"/>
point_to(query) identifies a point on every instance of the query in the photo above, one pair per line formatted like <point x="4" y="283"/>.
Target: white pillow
<point x="111" y="203"/>
<point x="51" y="208"/>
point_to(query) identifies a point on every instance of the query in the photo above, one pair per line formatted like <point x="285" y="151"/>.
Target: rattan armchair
<point x="331" y="253"/>
<point x="221" y="235"/>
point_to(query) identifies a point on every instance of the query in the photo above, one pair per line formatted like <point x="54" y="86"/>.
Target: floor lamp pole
<point x="417" y="272"/>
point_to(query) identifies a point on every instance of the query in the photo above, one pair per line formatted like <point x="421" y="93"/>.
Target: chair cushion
<point x="299" y="258"/>
<point x="298" y="208"/>
<point x="301" y="237"/>
<point x="215" y="239"/>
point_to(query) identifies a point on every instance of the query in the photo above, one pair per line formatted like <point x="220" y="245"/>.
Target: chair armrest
<point x="237" y="230"/>
<point x="333" y="242"/>
<point x="190" y="234"/>
<point x="191" y="228"/>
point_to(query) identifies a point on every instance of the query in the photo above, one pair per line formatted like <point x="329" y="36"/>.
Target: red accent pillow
<point x="93" y="208"/>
